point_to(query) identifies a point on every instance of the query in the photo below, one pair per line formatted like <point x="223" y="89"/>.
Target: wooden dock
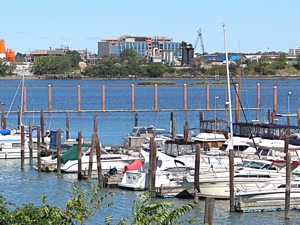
<point x="265" y="205"/>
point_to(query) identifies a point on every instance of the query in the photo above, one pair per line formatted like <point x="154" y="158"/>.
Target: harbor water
<point x="28" y="186"/>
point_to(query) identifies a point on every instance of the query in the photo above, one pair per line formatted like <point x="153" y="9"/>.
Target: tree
<point x="156" y="69"/>
<point x="128" y="54"/>
<point x="280" y="62"/>
<point x="297" y="65"/>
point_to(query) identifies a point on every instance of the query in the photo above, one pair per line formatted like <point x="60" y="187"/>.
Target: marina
<point x="113" y="127"/>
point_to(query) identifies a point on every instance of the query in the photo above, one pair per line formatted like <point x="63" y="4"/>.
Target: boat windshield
<point x="260" y="165"/>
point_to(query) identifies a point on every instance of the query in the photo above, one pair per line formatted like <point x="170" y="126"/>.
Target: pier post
<point x="136" y="120"/>
<point x="95" y="124"/>
<point x="99" y="166"/>
<point x="209" y="211"/>
<point x="78" y="98"/>
<point x="42" y="124"/>
<point x="38" y="148"/>
<point x="30" y="145"/>
<point x="19" y="117"/>
<point x="152" y="168"/>
<point x="58" y="152"/>
<point x="298" y="117"/>
<point x="258" y="99"/>
<point x="155" y="97"/>
<point x="103" y="97"/>
<point x="231" y="178"/>
<point x="274" y="102"/>
<point x="3" y="121"/>
<point x="184" y="98"/>
<point x="67" y="125"/>
<point x="22" y="146"/>
<point x="173" y="126"/>
<point x="288" y="183"/>
<point x="237" y="104"/>
<point x="132" y="97"/>
<point x="197" y="174"/>
<point x="207" y="96"/>
<point x="91" y="157"/>
<point x="79" y="155"/>
<point x="24" y="99"/>
<point x="49" y="98"/>
<point x="186" y="131"/>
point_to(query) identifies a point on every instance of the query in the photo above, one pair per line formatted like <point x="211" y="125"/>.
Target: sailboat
<point x="10" y="142"/>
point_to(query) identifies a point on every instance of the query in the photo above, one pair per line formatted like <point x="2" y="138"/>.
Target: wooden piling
<point x="58" y="152"/>
<point x="207" y="96"/>
<point x="298" y="117"/>
<point x="2" y="116"/>
<point x="19" y="117"/>
<point x="49" y="98"/>
<point x="155" y="98"/>
<point x="173" y="126"/>
<point x="78" y="99"/>
<point x="91" y="158"/>
<point x="42" y="124"/>
<point x="152" y="168"/>
<point x="237" y="104"/>
<point x="288" y="183"/>
<point x="95" y="124"/>
<point x="22" y="146"/>
<point x="209" y="211"/>
<point x="186" y="131"/>
<point x="184" y="97"/>
<point x="24" y="99"/>
<point x="30" y="145"/>
<point x="79" y="156"/>
<point x="68" y="125"/>
<point x="274" y="102"/>
<point x="38" y="144"/>
<point x="132" y="97"/>
<point x="258" y="99"/>
<point x="103" y="97"/>
<point x="197" y="174"/>
<point x="136" y="119"/>
<point x="99" y="166"/>
<point x="231" y="178"/>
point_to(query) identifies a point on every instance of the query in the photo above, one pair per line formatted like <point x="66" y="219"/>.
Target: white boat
<point x="10" y="146"/>
<point x="69" y="160"/>
<point x="270" y="191"/>
<point x="168" y="173"/>
<point x="253" y="174"/>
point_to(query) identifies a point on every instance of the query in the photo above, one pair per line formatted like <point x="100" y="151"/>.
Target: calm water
<point x="28" y="186"/>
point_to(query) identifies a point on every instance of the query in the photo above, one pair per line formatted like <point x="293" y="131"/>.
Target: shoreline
<point x="258" y="77"/>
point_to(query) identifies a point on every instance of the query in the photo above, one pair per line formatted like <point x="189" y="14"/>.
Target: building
<point x="153" y="48"/>
<point x="55" y="52"/>
<point x="294" y="51"/>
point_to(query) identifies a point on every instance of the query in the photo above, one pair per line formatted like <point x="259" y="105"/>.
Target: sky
<point x="251" y="26"/>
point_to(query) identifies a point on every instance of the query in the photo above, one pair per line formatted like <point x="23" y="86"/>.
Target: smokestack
<point x="2" y="49"/>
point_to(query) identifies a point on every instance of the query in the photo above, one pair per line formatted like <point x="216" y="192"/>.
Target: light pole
<point x="289" y="94"/>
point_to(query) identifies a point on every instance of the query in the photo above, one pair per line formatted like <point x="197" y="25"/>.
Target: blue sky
<point x="252" y="26"/>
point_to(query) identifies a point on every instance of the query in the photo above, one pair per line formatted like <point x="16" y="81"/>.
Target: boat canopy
<point x="72" y="153"/>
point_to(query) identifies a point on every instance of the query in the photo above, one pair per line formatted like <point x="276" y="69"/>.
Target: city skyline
<point x="252" y="26"/>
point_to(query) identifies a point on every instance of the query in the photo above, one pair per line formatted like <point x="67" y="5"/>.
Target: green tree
<point x="156" y="69"/>
<point x="297" y="65"/>
<point x="4" y="67"/>
<point x="128" y="54"/>
<point x="280" y="62"/>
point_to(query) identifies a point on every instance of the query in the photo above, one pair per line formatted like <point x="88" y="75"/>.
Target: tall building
<point x="153" y="48"/>
<point x="294" y="51"/>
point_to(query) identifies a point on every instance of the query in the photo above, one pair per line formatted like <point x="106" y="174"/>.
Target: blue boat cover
<point x="5" y="132"/>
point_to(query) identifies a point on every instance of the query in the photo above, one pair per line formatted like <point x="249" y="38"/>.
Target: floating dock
<point x="249" y="206"/>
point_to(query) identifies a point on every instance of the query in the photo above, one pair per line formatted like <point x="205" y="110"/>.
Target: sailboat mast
<point x="21" y="107"/>
<point x="228" y="88"/>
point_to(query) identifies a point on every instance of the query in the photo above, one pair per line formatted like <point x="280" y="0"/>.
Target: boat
<point x="10" y="146"/>
<point x="269" y="192"/>
<point x="69" y="160"/>
<point x="168" y="173"/>
<point x="213" y="133"/>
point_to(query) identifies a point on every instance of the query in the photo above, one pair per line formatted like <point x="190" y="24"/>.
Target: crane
<point x="199" y="37"/>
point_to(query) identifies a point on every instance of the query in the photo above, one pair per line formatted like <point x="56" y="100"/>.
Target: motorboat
<point x="252" y="174"/>
<point x="269" y="191"/>
<point x="69" y="160"/>
<point x="168" y="173"/>
<point x="10" y="146"/>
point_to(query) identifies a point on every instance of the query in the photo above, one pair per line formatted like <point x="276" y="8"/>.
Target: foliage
<point x="280" y="62"/>
<point x="151" y="213"/>
<point x="79" y="208"/>
<point x="56" y="64"/>
<point x="83" y="204"/>
<point x="156" y="69"/>
<point x="6" y="68"/>
<point x="156" y="82"/>
<point x="297" y="65"/>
